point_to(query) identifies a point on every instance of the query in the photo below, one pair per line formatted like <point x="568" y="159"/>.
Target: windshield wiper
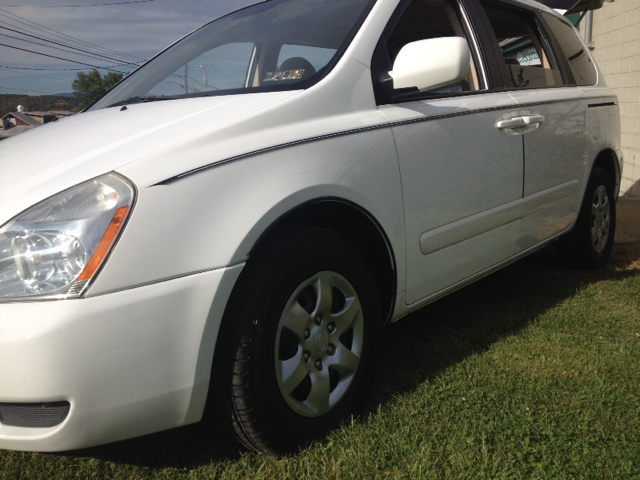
<point x="141" y="99"/>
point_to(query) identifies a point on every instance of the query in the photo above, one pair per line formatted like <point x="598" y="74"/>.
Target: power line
<point x="25" y="90"/>
<point x="51" y="69"/>
<point x="79" y="5"/>
<point x="49" y="31"/>
<point x="5" y="73"/>
<point x="95" y="57"/>
<point x="70" y="42"/>
<point x="60" y="58"/>
<point x="65" y="45"/>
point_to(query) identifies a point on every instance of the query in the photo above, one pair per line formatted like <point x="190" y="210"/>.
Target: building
<point x="18" y="122"/>
<point x="615" y="44"/>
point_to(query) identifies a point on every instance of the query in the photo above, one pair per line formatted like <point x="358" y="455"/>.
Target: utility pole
<point x="204" y="69"/>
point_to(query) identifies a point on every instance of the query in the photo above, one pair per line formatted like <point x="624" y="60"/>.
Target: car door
<point x="458" y="170"/>
<point x="551" y="120"/>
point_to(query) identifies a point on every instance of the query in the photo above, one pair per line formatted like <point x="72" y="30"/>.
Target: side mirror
<point x="431" y="63"/>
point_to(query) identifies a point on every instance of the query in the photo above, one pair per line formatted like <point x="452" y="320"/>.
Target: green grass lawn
<point x="532" y="372"/>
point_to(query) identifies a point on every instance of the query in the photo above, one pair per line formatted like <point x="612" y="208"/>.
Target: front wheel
<point x="590" y="242"/>
<point x="295" y="350"/>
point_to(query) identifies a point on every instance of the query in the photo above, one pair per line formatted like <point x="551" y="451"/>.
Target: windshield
<point x="271" y="46"/>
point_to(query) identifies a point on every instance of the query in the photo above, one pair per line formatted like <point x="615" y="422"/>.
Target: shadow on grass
<point x="416" y="349"/>
<point x="472" y="319"/>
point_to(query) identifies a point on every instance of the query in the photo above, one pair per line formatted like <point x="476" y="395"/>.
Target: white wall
<point x="616" y="37"/>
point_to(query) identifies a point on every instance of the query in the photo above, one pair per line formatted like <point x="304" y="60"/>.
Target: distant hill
<point x="64" y="101"/>
<point x="63" y="95"/>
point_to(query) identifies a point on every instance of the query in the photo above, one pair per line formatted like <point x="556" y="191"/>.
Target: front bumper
<point x="129" y="363"/>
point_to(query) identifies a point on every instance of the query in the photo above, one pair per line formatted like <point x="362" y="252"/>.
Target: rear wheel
<point x="590" y="242"/>
<point x="294" y="355"/>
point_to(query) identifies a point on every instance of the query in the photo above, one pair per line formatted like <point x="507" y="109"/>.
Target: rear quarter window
<point x="582" y="67"/>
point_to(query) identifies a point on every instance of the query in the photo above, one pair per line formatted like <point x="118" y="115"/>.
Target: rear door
<point x="551" y="114"/>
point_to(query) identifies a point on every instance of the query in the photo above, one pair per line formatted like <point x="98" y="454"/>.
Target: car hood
<point x="59" y="155"/>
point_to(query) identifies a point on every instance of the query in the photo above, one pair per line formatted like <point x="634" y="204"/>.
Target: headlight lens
<point x="55" y="248"/>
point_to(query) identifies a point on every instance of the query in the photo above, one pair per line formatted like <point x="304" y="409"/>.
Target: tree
<point x="89" y="87"/>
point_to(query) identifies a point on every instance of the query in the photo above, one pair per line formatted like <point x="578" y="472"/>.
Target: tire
<point x="294" y="355"/>
<point x="589" y="244"/>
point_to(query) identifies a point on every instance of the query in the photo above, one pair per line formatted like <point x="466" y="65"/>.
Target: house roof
<point x="62" y="113"/>
<point x="38" y="114"/>
<point x="25" y="118"/>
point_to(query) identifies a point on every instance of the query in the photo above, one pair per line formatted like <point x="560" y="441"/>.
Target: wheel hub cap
<point x="319" y="343"/>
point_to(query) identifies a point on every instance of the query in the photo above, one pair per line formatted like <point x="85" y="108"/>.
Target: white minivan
<point x="233" y="224"/>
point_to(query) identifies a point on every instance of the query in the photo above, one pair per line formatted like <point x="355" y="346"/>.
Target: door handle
<point x="512" y="123"/>
<point x="520" y="121"/>
<point x="532" y="119"/>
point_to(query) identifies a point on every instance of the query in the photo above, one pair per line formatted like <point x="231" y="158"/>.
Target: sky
<point x="136" y="28"/>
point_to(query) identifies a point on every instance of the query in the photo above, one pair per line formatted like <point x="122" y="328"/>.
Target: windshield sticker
<point x="285" y="75"/>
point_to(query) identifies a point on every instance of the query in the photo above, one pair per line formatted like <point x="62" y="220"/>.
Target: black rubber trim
<point x="490" y="44"/>
<point x="547" y="102"/>
<point x="353" y="131"/>
<point x="555" y="50"/>
<point x="607" y="104"/>
<point x="487" y="43"/>
<point x="180" y="176"/>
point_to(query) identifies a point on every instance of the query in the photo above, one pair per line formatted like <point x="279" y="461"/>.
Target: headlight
<point x="55" y="248"/>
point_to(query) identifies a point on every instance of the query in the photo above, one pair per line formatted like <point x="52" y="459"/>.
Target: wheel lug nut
<point x="331" y="349"/>
<point x="306" y="356"/>
<point x="330" y="327"/>
<point x="307" y="334"/>
<point x="318" y="364"/>
<point x="318" y="320"/>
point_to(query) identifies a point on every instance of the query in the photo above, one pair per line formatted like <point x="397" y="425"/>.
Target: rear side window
<point x="524" y="52"/>
<point x="582" y="67"/>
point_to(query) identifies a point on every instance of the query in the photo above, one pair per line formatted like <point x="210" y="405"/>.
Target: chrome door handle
<point x="521" y="121"/>
<point x="512" y="123"/>
<point x="532" y="119"/>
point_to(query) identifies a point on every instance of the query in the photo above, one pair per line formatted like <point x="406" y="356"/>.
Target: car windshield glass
<point x="271" y="46"/>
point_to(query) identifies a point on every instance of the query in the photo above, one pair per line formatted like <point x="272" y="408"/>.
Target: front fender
<point x="213" y="218"/>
